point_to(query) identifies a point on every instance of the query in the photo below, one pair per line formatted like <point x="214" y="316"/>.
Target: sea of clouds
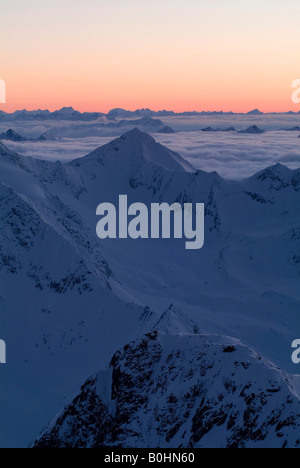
<point x="232" y="154"/>
<point x="235" y="155"/>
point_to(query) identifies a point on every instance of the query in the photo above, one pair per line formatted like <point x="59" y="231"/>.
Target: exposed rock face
<point x="279" y="177"/>
<point x="181" y="391"/>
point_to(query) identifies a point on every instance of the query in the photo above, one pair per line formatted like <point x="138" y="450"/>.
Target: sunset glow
<point x="168" y="54"/>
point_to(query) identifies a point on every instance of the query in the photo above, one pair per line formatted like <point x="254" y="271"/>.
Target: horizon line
<point x="252" y="111"/>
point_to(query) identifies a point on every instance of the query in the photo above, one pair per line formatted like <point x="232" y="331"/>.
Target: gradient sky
<point x="95" y="55"/>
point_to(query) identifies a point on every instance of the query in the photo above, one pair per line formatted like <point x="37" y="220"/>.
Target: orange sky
<point x="164" y="54"/>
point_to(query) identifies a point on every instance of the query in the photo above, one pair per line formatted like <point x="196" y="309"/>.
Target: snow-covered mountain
<point x="255" y="112"/>
<point x="146" y="123"/>
<point x="12" y="135"/>
<point x="254" y="129"/>
<point x="59" y="299"/>
<point x="68" y="301"/>
<point x="183" y="391"/>
<point x="115" y="115"/>
<point x="134" y="149"/>
<point x="66" y="113"/>
<point x="166" y="129"/>
<point x="46" y="136"/>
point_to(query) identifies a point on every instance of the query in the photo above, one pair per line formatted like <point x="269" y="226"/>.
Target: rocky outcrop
<point x="183" y="391"/>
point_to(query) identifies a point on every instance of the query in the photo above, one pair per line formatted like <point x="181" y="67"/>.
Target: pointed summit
<point x="279" y="177"/>
<point x="255" y="112"/>
<point x="66" y="113"/>
<point x="137" y="134"/>
<point x="173" y="321"/>
<point x="254" y="130"/>
<point x="46" y="137"/>
<point x="12" y="135"/>
<point x="133" y="148"/>
<point x="67" y="110"/>
<point x="278" y="171"/>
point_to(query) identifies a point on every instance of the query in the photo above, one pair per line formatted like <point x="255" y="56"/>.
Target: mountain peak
<point x="67" y="109"/>
<point x="136" y="133"/>
<point x="173" y="321"/>
<point x="255" y="112"/>
<point x="46" y="137"/>
<point x="279" y="177"/>
<point x="254" y="129"/>
<point x="133" y="147"/>
<point x="277" y="170"/>
<point x="12" y="135"/>
<point x="186" y="390"/>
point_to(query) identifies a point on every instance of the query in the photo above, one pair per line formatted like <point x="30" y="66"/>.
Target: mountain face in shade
<point x="279" y="177"/>
<point x="46" y="137"/>
<point x="76" y="300"/>
<point x="136" y="147"/>
<point x="12" y="135"/>
<point x="294" y="129"/>
<point x="253" y="130"/>
<point x="185" y="391"/>
<point x="229" y="129"/>
<point x="210" y="129"/>
<point x="166" y="129"/>
<point x="255" y="112"/>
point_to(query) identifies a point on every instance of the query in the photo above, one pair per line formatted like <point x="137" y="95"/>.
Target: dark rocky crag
<point x="185" y="391"/>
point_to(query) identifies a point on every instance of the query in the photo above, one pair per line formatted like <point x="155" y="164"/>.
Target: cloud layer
<point x="232" y="154"/>
<point x="236" y="155"/>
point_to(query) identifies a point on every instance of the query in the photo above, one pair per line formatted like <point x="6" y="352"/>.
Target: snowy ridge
<point x="137" y="145"/>
<point x="181" y="391"/>
<point x="279" y="177"/>
<point x="173" y="321"/>
<point x="8" y="155"/>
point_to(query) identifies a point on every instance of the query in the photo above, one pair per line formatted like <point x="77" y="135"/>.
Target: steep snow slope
<point x="181" y="391"/>
<point x="68" y="300"/>
<point x="56" y="297"/>
<point x="135" y="147"/>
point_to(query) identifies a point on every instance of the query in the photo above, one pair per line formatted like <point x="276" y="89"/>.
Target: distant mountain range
<point x="253" y="130"/>
<point x="12" y="135"/>
<point x="145" y="124"/>
<point x="70" y="114"/>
